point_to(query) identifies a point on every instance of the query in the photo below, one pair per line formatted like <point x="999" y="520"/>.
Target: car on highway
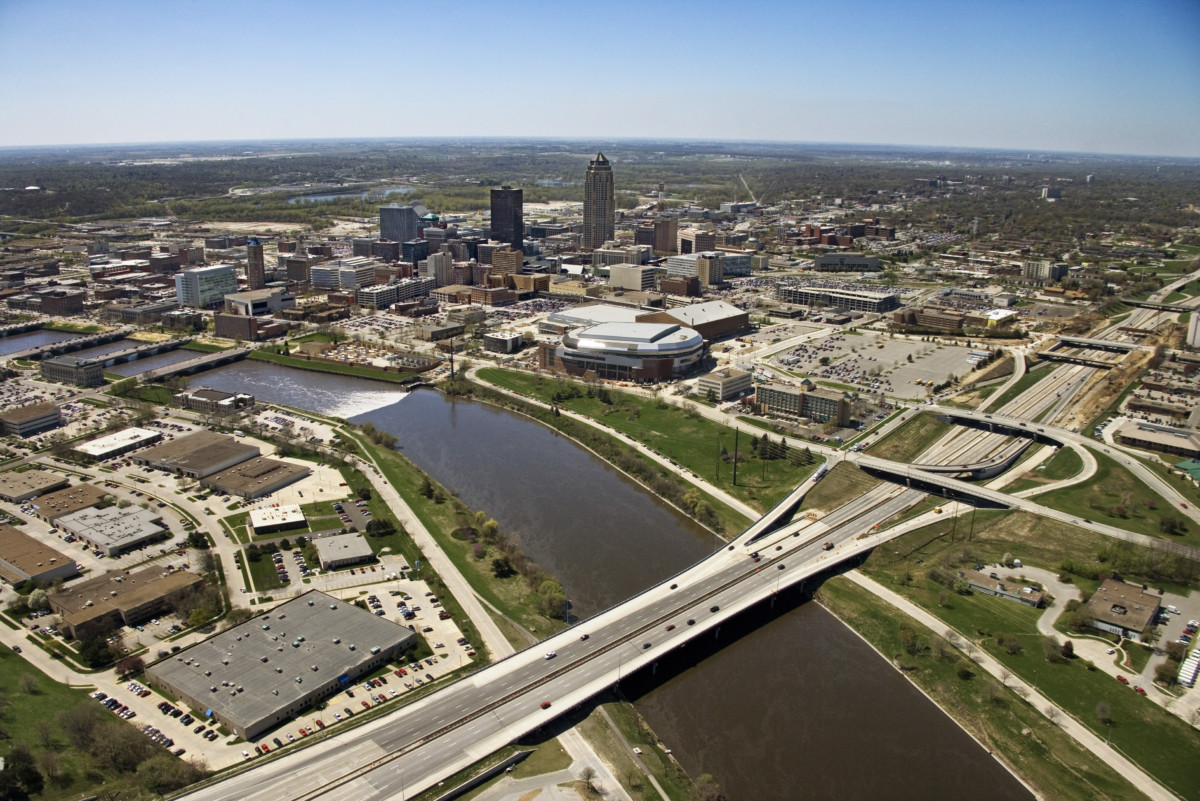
<point x="584" y="636"/>
<point x="691" y="622"/>
<point x="545" y="704"/>
<point x="671" y="627"/>
<point x="714" y="609"/>
<point x="550" y="655"/>
<point x="645" y="645"/>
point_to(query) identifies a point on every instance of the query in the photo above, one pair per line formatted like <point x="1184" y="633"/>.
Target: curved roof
<point x="645" y="339"/>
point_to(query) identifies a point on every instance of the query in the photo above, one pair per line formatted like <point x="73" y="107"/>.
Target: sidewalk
<point x="1082" y="735"/>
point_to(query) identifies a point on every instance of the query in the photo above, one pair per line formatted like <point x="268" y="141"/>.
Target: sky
<point x="1091" y="76"/>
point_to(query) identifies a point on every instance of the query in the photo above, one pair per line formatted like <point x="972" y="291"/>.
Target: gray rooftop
<point x="265" y="656"/>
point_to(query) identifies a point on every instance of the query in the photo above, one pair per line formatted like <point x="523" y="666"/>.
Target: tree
<point x="38" y="601"/>
<point x="588" y="777"/>
<point x="28" y="683"/>
<point x="502" y="567"/>
<point x="1103" y="712"/>
<point x="364" y="493"/>
<point x="50" y="764"/>
<point x="130" y="665"/>
<point x="20" y="772"/>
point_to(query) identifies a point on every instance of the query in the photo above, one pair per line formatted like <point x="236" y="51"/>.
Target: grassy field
<point x="32" y="718"/>
<point x="1116" y="496"/>
<point x="693" y="441"/>
<point x="909" y="440"/>
<point x="1059" y="467"/>
<point x="843" y="483"/>
<point x="610" y="748"/>
<point x="204" y="347"/>
<point x="1025" y="740"/>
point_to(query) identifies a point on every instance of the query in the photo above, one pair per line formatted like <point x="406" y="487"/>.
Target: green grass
<point x="1059" y="467"/>
<point x="74" y="328"/>
<point x="1138" y="656"/>
<point x="25" y="715"/>
<point x="677" y="785"/>
<point x="843" y="483"/>
<point x="262" y="573"/>
<point x="204" y="347"/>
<point x="1031" y="377"/>
<point x="695" y="442"/>
<point x="908" y="441"/>
<point x="1115" y="496"/>
<point x="1053" y="764"/>
<point x="327" y="367"/>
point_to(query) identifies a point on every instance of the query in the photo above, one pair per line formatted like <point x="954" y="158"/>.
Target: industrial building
<point x="98" y="605"/>
<point x="342" y="550"/>
<point x="197" y="455"/>
<point x="264" y="672"/>
<point x="255" y="477"/>
<point x="713" y="320"/>
<point x="23" y="558"/>
<point x="118" y="444"/>
<point x="625" y="351"/>
<point x="17" y="487"/>
<point x="54" y="505"/>
<point x="25" y="421"/>
<point x="113" y="531"/>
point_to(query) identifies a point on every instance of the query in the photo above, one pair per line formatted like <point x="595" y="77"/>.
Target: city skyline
<point x="1061" y="76"/>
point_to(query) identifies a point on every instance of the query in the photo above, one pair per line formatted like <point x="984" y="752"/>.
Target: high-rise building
<point x="256" y="271"/>
<point x="508" y="223"/>
<point x="397" y="223"/>
<point x="205" y="287"/>
<point x="599" y="204"/>
<point x="666" y="235"/>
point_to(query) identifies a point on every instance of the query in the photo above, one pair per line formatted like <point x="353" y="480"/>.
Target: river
<point x="796" y="708"/>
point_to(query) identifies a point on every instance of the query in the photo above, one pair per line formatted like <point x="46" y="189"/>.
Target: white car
<point x="551" y="655"/>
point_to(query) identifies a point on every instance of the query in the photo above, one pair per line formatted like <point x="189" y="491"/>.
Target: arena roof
<point x="641" y="339"/>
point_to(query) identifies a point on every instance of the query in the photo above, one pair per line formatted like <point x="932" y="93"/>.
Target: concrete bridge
<point x="71" y="345"/>
<point x="205" y="361"/>
<point x="1100" y="344"/>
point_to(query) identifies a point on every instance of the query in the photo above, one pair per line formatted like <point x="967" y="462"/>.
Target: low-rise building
<point x="256" y="302"/>
<point x="197" y="455"/>
<point x="73" y="370"/>
<point x="54" y="505"/>
<point x="1164" y="439"/>
<point x="114" y="531"/>
<point x="118" y="443"/>
<point x="503" y="341"/>
<point x="343" y="549"/>
<point x="264" y="672"/>
<point x="96" y="606"/>
<point x="213" y="401"/>
<point x="23" y="558"/>
<point x="25" y="421"/>
<point x="1123" y="609"/>
<point x="18" y="487"/>
<point x="992" y="584"/>
<point x="821" y="405"/>
<point x="272" y="519"/>
<point x="725" y="383"/>
<point x="255" y="477"/>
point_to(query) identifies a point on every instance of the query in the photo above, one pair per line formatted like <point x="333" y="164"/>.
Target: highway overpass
<point x="419" y="744"/>
<point x="1101" y="344"/>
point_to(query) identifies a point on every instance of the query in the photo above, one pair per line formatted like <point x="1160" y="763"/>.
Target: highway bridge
<point x="988" y="468"/>
<point x="1158" y="305"/>
<point x="1074" y="358"/>
<point x="419" y="744"/>
<point x="1101" y="344"/>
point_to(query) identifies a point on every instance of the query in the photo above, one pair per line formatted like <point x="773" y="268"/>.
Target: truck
<point x="829" y="546"/>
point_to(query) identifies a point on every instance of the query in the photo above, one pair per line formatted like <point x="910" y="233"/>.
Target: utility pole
<point x="735" y="454"/>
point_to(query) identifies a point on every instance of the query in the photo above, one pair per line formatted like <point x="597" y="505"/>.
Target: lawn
<point x="1059" y="467"/>
<point x="1115" y="496"/>
<point x="328" y="367"/>
<point x="843" y="483"/>
<point x="32" y="718"/>
<point x="905" y="443"/>
<point x="1054" y="765"/>
<point x="262" y="573"/>
<point x="694" y="442"/>
<point x="608" y="745"/>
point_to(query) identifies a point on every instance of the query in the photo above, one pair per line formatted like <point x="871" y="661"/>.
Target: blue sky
<point x="1092" y="76"/>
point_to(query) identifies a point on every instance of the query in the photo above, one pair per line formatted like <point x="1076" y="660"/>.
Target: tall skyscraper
<point x="666" y="234"/>
<point x="256" y="273"/>
<point x="508" y="223"/>
<point x="397" y="223"/>
<point x="599" y="204"/>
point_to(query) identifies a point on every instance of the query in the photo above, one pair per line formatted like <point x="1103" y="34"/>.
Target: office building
<point x="19" y="487"/>
<point x="99" y="605"/>
<point x="707" y="266"/>
<point x="256" y="477"/>
<point x="834" y="298"/>
<point x="256" y="272"/>
<point x="111" y="530"/>
<point x="118" y="443"/>
<point x="599" y="203"/>
<point x="23" y="558"/>
<point x="212" y="401"/>
<point x="725" y="383"/>
<point x="632" y="277"/>
<point x="1122" y="609"/>
<point x="259" y="301"/>
<point x="205" y="287"/>
<point x="666" y="236"/>
<point x="508" y="223"/>
<point x="25" y="421"/>
<point x="1044" y="271"/>
<point x="73" y="370"/>
<point x="398" y="223"/>
<point x="821" y="405"/>
<point x="613" y="253"/>
<point x="342" y="550"/>
<point x="695" y="241"/>
<point x="196" y="455"/>
<point x="845" y="263"/>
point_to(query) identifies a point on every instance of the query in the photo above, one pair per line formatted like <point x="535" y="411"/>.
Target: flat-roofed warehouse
<point x="23" y="558"/>
<point x="18" y="487"/>
<point x="254" y="478"/>
<point x="25" y="421"/>
<point x="56" y="504"/>
<point x="197" y="455"/>
<point x="101" y="604"/>
<point x="114" y="531"/>
<point x="118" y="443"/>
<point x="267" y="670"/>
<point x="270" y="519"/>
<point x="713" y="319"/>
<point x="343" y="549"/>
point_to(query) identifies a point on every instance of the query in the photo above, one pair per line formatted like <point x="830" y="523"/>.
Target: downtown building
<point x="599" y="204"/>
<point x="508" y="225"/>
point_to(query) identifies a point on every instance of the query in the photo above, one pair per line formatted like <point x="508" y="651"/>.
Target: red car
<point x="545" y="704"/>
<point x="1122" y="679"/>
<point x="1139" y="691"/>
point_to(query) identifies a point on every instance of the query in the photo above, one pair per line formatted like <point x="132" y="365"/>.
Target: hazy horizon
<point x="1100" y="77"/>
